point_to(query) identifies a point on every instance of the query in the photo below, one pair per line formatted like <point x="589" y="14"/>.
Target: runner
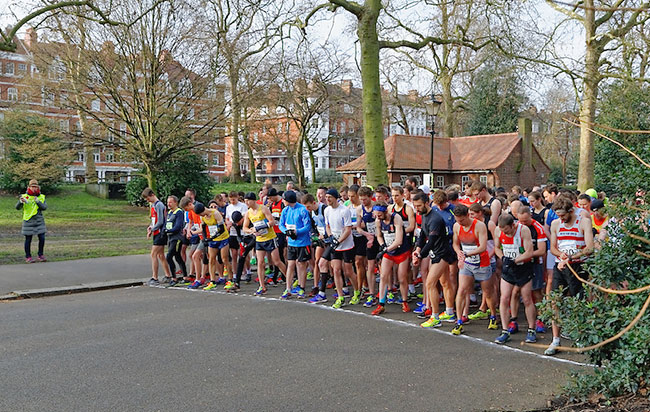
<point x="276" y="205"/>
<point x="340" y="250"/>
<point x="199" y="253"/>
<point x="433" y="243"/>
<point x="470" y="244"/>
<point x="450" y="283"/>
<point x="366" y="227"/>
<point x="482" y="214"/>
<point x="246" y="243"/>
<point x="392" y="250"/>
<point x="174" y="231"/>
<point x="360" y="241"/>
<point x="215" y="233"/>
<point x="321" y="266"/>
<point x="295" y="223"/>
<point x="234" y="239"/>
<point x="407" y="215"/>
<point x="513" y="243"/>
<point x="261" y="220"/>
<point x="599" y="221"/>
<point x="571" y="243"/>
<point x="584" y="202"/>
<point x="158" y="213"/>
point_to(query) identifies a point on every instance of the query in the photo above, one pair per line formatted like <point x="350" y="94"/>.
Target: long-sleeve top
<point x="435" y="235"/>
<point x="174" y="224"/>
<point x="296" y="217"/>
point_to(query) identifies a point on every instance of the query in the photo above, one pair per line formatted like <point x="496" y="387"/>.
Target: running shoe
<point x="247" y="277"/>
<point x="253" y="261"/>
<point x="370" y="302"/>
<point x="310" y="276"/>
<point x="493" y="323"/>
<point x="318" y="299"/>
<point x="29" y="260"/>
<point x="531" y="336"/>
<point x="426" y="314"/>
<point x="179" y="272"/>
<point x="221" y="281"/>
<point x="413" y="295"/>
<point x="42" y="258"/>
<point x="340" y="302"/>
<point x="173" y="282"/>
<point x="210" y="286"/>
<point x="295" y="289"/>
<point x="378" y="310"/>
<point x="295" y="284"/>
<point x="301" y="293"/>
<point x="229" y="286"/>
<point x="314" y="292"/>
<point x="195" y="285"/>
<point x="286" y="295"/>
<point x="478" y="315"/>
<point x="166" y="279"/>
<point x="551" y="350"/>
<point x="465" y="319"/>
<point x="152" y="282"/>
<point x="457" y="330"/>
<point x="260" y="291"/>
<point x="390" y="298"/>
<point x="539" y="326"/>
<point x="235" y="288"/>
<point x="268" y="271"/>
<point x="356" y="298"/>
<point x="417" y="281"/>
<point x="445" y="317"/>
<point x="271" y="282"/>
<point x="431" y="323"/>
<point x="513" y="327"/>
<point x="420" y="308"/>
<point x="346" y="293"/>
<point x="503" y="337"/>
<point x="405" y="307"/>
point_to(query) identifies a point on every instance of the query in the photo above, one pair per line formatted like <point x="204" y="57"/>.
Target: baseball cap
<point x="199" y="208"/>
<point x="425" y="189"/>
<point x="591" y="193"/>
<point x="290" y="196"/>
<point x="597" y="204"/>
<point x="250" y="196"/>
<point x="272" y="192"/>
<point x="333" y="192"/>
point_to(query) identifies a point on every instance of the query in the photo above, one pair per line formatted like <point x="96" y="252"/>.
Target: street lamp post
<point x="432" y="111"/>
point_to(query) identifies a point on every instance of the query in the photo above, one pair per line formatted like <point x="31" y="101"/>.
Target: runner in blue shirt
<point x="295" y="222"/>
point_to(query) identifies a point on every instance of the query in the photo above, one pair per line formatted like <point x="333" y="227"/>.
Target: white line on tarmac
<point x="394" y="321"/>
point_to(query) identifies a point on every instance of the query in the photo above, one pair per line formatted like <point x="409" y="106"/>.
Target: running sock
<point x="324" y="277"/>
<point x="513" y="319"/>
<point x="411" y="288"/>
<point x="321" y="294"/>
<point x="449" y="311"/>
<point x="556" y="342"/>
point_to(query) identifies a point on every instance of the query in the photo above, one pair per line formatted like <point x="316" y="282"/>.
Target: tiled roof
<point x="406" y="152"/>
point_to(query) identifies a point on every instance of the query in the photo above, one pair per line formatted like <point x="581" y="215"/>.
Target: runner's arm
<point x="411" y="217"/>
<point x="495" y="208"/>
<point x="481" y="232"/>
<point x="589" y="239"/>
<point x="528" y="246"/>
<point x="269" y="216"/>
<point x="283" y="221"/>
<point x="554" y="250"/>
<point x="306" y="223"/>
<point x="160" y="211"/>
<point x="497" y="244"/>
<point x="246" y="227"/>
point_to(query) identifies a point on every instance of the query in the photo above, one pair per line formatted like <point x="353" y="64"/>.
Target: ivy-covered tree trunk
<point x="90" y="169"/>
<point x="150" y="174"/>
<point x="588" y="107"/>
<point x="373" y="134"/>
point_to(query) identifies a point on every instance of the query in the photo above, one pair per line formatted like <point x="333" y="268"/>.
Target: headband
<point x="377" y="208"/>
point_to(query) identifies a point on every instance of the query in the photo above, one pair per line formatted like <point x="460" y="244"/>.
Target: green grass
<point x="79" y="226"/>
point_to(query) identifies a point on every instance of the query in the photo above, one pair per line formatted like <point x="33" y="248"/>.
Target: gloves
<point x="292" y="234"/>
<point x="382" y="252"/>
<point x="508" y="263"/>
<point x="335" y="242"/>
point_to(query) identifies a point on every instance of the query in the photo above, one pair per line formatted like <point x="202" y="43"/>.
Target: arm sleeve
<point x="41" y="205"/>
<point x="160" y="211"/>
<point x="19" y="205"/>
<point x="306" y="223"/>
<point x="431" y="238"/>
<point x="283" y="219"/>
<point x="178" y="225"/>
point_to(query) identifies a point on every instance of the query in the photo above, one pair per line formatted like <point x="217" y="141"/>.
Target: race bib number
<point x="568" y="247"/>
<point x="195" y="227"/>
<point x="417" y="232"/>
<point x="510" y="251"/>
<point x="213" y="230"/>
<point x="389" y="238"/>
<point x="153" y="221"/>
<point x="261" y="228"/>
<point x="276" y="215"/>
<point x="169" y="225"/>
<point x="371" y="228"/>
<point x="474" y="259"/>
<point x="321" y="230"/>
<point x="291" y="227"/>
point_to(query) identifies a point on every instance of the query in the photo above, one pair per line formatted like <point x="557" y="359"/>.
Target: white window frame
<point x="484" y="179"/>
<point x="96" y="105"/>
<point x="464" y="179"/>
<point x="9" y="68"/>
<point x="97" y="156"/>
<point x="440" y="181"/>
<point x="81" y="157"/>
<point x="12" y="94"/>
<point x="123" y="130"/>
<point x="110" y="156"/>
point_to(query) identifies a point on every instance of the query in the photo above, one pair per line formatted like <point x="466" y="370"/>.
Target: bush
<point x="327" y="175"/>
<point x="184" y="170"/>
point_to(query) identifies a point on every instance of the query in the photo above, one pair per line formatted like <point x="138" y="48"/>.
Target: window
<point x="333" y="127"/>
<point x="286" y="127"/>
<point x="264" y="110"/>
<point x="215" y="159"/>
<point x="64" y="126"/>
<point x="48" y="98"/>
<point x="95" y="105"/>
<point x="22" y="68"/>
<point x="440" y="181"/>
<point x="12" y="94"/>
<point x="280" y="165"/>
<point x="9" y="69"/>
<point x="255" y="137"/>
<point x="123" y="130"/>
<point x="347" y="108"/>
<point x="484" y="179"/>
<point x="464" y="180"/>
<point x="342" y="144"/>
<point x="263" y="129"/>
<point x="342" y="129"/>
<point x="190" y="114"/>
<point x="110" y="156"/>
<point x="96" y="157"/>
<point x="212" y="92"/>
<point x="535" y="127"/>
<point x="185" y="86"/>
<point x="314" y="123"/>
<point x="81" y="157"/>
<point x="351" y="130"/>
<point x="279" y="127"/>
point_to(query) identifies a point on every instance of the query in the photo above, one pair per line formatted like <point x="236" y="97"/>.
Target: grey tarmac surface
<point x="73" y="272"/>
<point x="156" y="349"/>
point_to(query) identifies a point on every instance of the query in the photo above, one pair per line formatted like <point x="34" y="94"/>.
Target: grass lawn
<point x="79" y="226"/>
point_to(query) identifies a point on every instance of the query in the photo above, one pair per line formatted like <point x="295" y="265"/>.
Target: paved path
<point x="170" y="350"/>
<point x="73" y="272"/>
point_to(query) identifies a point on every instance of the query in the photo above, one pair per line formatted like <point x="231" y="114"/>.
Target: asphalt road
<point x="154" y="349"/>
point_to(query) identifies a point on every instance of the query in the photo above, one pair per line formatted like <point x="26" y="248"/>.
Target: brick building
<point x="36" y="62"/>
<point x="497" y="160"/>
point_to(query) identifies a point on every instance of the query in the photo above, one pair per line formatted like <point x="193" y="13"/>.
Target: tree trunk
<point x="235" y="170"/>
<point x="373" y="133"/>
<point x="445" y="78"/>
<point x="312" y="160"/>
<point x="151" y="178"/>
<point x="91" y="170"/>
<point x="564" y="160"/>
<point x="588" y="106"/>
<point x="300" y="166"/>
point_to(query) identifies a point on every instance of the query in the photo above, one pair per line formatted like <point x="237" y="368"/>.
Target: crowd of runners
<point x="470" y="246"/>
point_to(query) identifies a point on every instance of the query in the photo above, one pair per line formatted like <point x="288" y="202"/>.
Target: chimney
<point x="346" y="86"/>
<point x="413" y="95"/>
<point x="525" y="129"/>
<point x="31" y="38"/>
